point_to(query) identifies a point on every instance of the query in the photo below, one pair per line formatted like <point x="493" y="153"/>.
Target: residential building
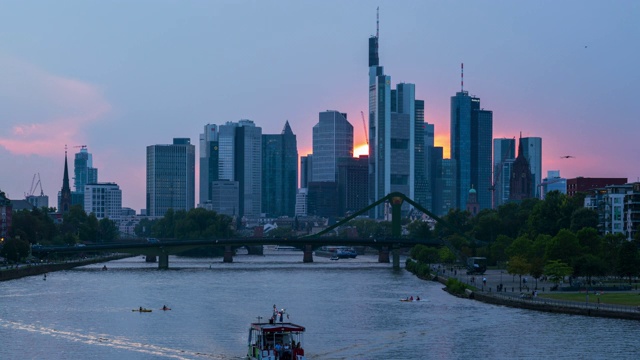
<point x="585" y="184"/>
<point x="5" y="216"/>
<point x="332" y="139"/>
<point x="279" y="173"/>
<point x="170" y="177"/>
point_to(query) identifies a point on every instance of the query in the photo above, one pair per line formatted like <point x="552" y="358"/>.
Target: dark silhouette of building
<point x="65" y="194"/>
<point x="279" y="173"/>
<point x="353" y="178"/>
<point x="322" y="199"/>
<point x="473" y="207"/>
<point x="521" y="179"/>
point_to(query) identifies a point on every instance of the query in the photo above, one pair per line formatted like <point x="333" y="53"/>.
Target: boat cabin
<point x="275" y="341"/>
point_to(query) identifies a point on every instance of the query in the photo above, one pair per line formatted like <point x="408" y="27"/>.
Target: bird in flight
<point x="566" y="157"/>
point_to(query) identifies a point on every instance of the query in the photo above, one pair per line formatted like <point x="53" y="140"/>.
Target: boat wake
<point x="110" y="341"/>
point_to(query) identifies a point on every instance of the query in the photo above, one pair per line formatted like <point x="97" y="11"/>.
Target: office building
<point x="225" y="197"/>
<point x="504" y="150"/>
<point x="301" y="202"/>
<point x="353" y="177"/>
<point x="322" y="199"/>
<point x="104" y="200"/>
<point x="170" y="177"/>
<point x="83" y="170"/>
<point x="396" y="121"/>
<point x="532" y="148"/>
<point x="209" y="161"/>
<point x="553" y="182"/>
<point x="332" y="139"/>
<point x="279" y="173"/>
<point x="471" y="138"/>
<point x="520" y="187"/>
<point x="306" y="170"/>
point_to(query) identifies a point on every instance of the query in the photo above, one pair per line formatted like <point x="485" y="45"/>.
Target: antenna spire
<point x="462" y="77"/>
<point x="378" y="22"/>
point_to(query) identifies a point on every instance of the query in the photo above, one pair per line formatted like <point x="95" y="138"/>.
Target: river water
<point x="351" y="310"/>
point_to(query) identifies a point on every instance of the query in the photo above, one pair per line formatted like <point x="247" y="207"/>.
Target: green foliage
<point x="583" y="218"/>
<point x="420" y="230"/>
<point x="418" y="268"/>
<point x="34" y="226"/>
<point x="497" y="252"/>
<point x="455" y="287"/>
<point x="425" y="254"/>
<point x="628" y="260"/>
<point x="522" y="247"/>
<point x="557" y="270"/>
<point x="518" y="265"/>
<point x="588" y="265"/>
<point x="196" y="224"/>
<point x="590" y="241"/>
<point x="15" y="248"/>
<point x="446" y="256"/>
<point x="564" y="247"/>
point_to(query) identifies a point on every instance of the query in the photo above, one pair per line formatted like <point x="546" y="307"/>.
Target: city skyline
<point x="88" y="73"/>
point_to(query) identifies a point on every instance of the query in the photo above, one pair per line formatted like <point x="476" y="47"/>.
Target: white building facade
<point x="104" y="200"/>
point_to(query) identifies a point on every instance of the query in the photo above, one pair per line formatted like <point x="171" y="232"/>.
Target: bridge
<point x="307" y="244"/>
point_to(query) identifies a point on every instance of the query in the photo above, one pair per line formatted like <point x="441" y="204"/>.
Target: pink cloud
<point x="45" y="111"/>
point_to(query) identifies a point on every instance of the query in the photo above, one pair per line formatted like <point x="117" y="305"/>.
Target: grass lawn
<point x="622" y="298"/>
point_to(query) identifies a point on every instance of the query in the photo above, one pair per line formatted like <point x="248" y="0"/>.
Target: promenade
<point x="514" y="296"/>
<point x="18" y="271"/>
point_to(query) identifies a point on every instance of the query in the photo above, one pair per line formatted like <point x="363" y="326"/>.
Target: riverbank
<point x="549" y="305"/>
<point x="39" y="269"/>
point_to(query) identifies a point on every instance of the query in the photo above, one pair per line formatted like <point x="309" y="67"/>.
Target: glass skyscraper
<point x="471" y="138"/>
<point x="332" y="139"/>
<point x="532" y="149"/>
<point x="279" y="173"/>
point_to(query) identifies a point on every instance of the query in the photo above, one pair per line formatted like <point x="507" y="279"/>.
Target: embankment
<point x="30" y="270"/>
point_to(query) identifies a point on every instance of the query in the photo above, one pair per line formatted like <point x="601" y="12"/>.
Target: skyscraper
<point x="209" y="159"/>
<point x="396" y="122"/>
<point x="503" y="150"/>
<point x="332" y="139"/>
<point x="532" y="148"/>
<point x="170" y="177"/>
<point x="471" y="136"/>
<point x="83" y="170"/>
<point x="247" y="170"/>
<point x="279" y="173"/>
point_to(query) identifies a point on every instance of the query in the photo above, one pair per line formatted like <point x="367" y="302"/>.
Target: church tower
<point x="65" y="193"/>
<point x="521" y="179"/>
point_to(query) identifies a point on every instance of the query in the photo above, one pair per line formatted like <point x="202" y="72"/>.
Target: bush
<point x="455" y="287"/>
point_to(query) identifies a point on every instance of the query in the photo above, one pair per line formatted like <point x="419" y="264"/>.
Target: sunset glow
<point x="362" y="149"/>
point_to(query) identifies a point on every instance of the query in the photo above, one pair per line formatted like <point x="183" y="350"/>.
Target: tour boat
<point x="275" y="339"/>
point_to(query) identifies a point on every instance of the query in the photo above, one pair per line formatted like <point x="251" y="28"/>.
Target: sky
<point x="118" y="76"/>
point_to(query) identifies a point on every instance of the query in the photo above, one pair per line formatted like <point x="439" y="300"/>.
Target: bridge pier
<point x="308" y="254"/>
<point x="396" y="258"/>
<point x="383" y="255"/>
<point x="228" y="254"/>
<point x="163" y="261"/>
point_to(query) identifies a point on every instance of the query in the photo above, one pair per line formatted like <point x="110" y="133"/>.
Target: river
<point x="351" y="310"/>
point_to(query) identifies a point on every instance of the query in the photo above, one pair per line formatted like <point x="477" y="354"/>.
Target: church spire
<point x="65" y="193"/>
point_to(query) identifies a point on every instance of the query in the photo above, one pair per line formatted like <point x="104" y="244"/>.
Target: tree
<point x="556" y="270"/>
<point x="420" y="230"/>
<point x="583" y="218"/>
<point x="590" y="240"/>
<point x="486" y="225"/>
<point x="107" y="230"/>
<point x="497" y="250"/>
<point x="589" y="266"/>
<point x="446" y="255"/>
<point x="518" y="265"/>
<point x="425" y="254"/>
<point x="629" y="260"/>
<point x="15" y="248"/>
<point x="520" y="247"/>
<point x="564" y="247"/>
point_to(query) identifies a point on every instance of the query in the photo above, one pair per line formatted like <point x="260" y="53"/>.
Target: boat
<point x="142" y="310"/>
<point x="334" y="257"/>
<point x="275" y="339"/>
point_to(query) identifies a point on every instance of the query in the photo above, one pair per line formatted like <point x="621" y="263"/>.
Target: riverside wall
<point x="39" y="269"/>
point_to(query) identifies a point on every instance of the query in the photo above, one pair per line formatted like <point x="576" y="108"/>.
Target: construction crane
<point x="364" y="124"/>
<point x="34" y="186"/>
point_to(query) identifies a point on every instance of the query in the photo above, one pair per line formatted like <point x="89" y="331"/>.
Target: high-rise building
<point x="532" y="147"/>
<point x="353" y="176"/>
<point x="83" y="170"/>
<point x="279" y="173"/>
<point x="104" y="200"/>
<point x="306" y="170"/>
<point x="225" y="197"/>
<point x="396" y="122"/>
<point x="504" y="150"/>
<point x="332" y="139"/>
<point x="170" y="177"/>
<point x="247" y="170"/>
<point x="432" y="166"/>
<point x="209" y="159"/>
<point x="471" y="137"/>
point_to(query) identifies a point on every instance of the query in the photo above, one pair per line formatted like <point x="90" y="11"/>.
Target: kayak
<point x="143" y="310"/>
<point x="165" y="309"/>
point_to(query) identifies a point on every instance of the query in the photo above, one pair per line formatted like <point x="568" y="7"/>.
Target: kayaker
<point x="140" y="309"/>
<point x="164" y="307"/>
